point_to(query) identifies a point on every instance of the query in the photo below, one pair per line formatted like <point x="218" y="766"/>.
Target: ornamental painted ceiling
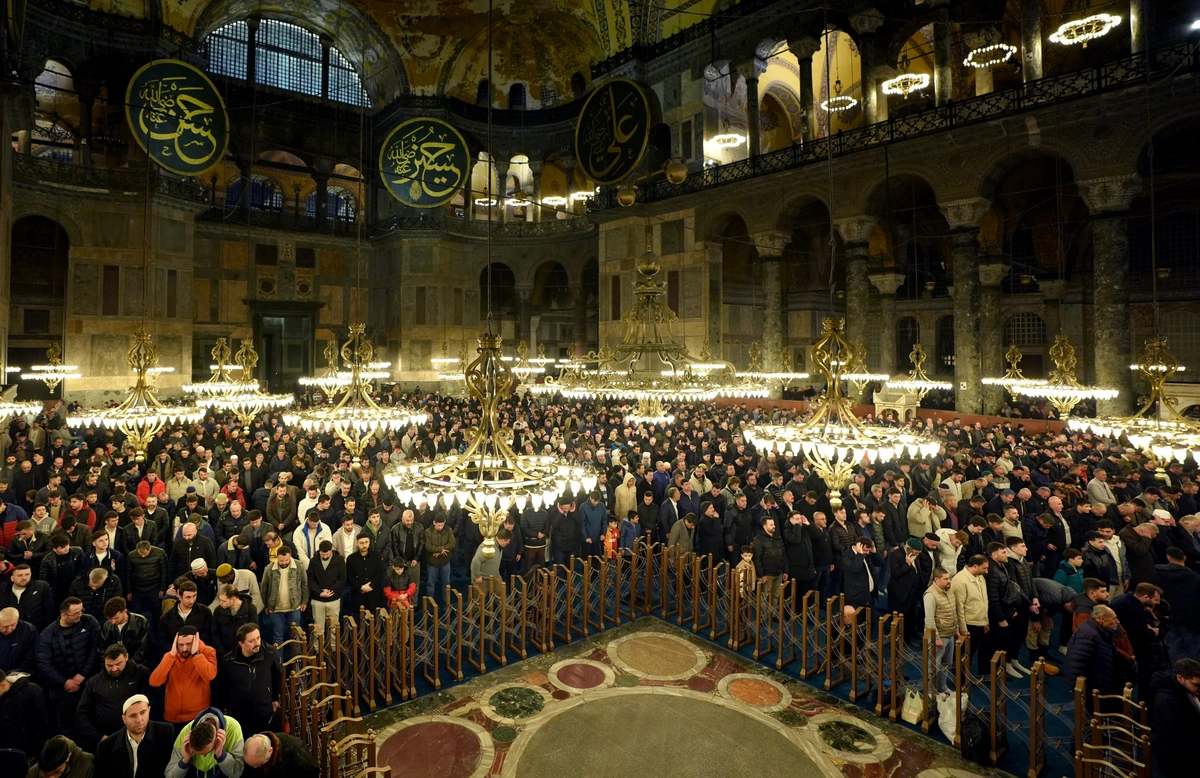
<point x="440" y="46"/>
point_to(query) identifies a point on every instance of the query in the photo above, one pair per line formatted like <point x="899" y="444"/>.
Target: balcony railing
<point x="281" y="220"/>
<point x="516" y="229"/>
<point x="35" y="170"/>
<point x="1129" y="71"/>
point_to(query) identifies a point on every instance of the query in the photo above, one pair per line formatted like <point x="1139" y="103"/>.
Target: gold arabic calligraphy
<point x="179" y="119"/>
<point x="608" y="130"/>
<point x="425" y="160"/>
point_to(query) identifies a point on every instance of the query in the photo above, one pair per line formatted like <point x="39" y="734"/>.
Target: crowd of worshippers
<point x="141" y="602"/>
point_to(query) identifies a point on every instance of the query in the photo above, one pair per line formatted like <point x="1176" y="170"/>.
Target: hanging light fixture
<point x="1084" y="30"/>
<point x="855" y="371"/>
<point x="141" y="415"/>
<point x="834" y="440"/>
<point x="784" y="374"/>
<point x="1013" y="379"/>
<point x="330" y="380"/>
<point x="249" y="401"/>
<point x="839" y="102"/>
<point x="989" y="56"/>
<point x="918" y="381"/>
<point x="356" y="417"/>
<point x="221" y="382"/>
<point x="54" y="371"/>
<point x="905" y="84"/>
<point x="1063" y="390"/>
<point x="521" y="366"/>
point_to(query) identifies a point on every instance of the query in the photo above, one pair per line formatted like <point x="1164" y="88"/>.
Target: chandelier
<point x="1063" y="390"/>
<point x="1084" y="30"/>
<point x="1157" y="427"/>
<point x="834" y="440"/>
<point x="918" y="382"/>
<point x="987" y="56"/>
<point x="648" y="364"/>
<point x="11" y="409"/>
<point x="522" y="367"/>
<point x="451" y="368"/>
<point x="755" y="371"/>
<point x="1013" y="379"/>
<point x="54" y="371"/>
<point x="905" y="84"/>
<point x="141" y="415"/>
<point x="489" y="478"/>
<point x="728" y="139"/>
<point x="330" y="380"/>
<point x="356" y="417"/>
<point x="249" y="401"/>
<point x="221" y="382"/>
<point x="853" y="364"/>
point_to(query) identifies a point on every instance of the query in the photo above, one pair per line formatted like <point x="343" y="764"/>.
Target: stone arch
<point x="718" y="223"/>
<point x="36" y="205"/>
<point x="790" y="102"/>
<point x="504" y="289"/>
<point x="552" y="288"/>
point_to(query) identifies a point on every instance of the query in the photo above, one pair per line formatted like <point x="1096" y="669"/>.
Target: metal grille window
<point x="1027" y="330"/>
<point x="908" y="332"/>
<point x="264" y="194"/>
<point x="945" y="346"/>
<point x="1182" y="331"/>
<point x="340" y="204"/>
<point x="286" y="57"/>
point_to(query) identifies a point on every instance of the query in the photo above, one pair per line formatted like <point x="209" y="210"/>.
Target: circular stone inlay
<point x="516" y="702"/>
<point x="579" y="675"/>
<point x="753" y="692"/>
<point x="657" y="657"/>
<point x="667" y="742"/>
<point x="849" y="738"/>
<point x="845" y="736"/>
<point x="435" y="748"/>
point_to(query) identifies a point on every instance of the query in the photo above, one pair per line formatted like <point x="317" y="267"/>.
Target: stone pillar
<point x="245" y="168"/>
<point x="943" y="65"/>
<point x="1052" y="293"/>
<point x="992" y="272"/>
<point x="856" y="234"/>
<point x="568" y="164"/>
<point x="1031" y="40"/>
<point x="983" y="76"/>
<point x="252" y="49"/>
<point x="534" y="211"/>
<point x="770" y="247"/>
<point x="84" y="151"/>
<point x="1140" y="12"/>
<point x="322" y="195"/>
<point x="865" y="24"/>
<point x="803" y="50"/>
<point x="580" y="320"/>
<point x="524" y="310"/>
<point x="751" y="70"/>
<point x="714" y="259"/>
<point x="1108" y="199"/>
<point x="326" y="43"/>
<point x="964" y="216"/>
<point x="887" y="282"/>
<point x="501" y="193"/>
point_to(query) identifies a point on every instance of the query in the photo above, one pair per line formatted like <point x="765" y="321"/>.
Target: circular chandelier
<point x="1063" y="390"/>
<point x="28" y="410"/>
<point x="728" y="139"/>
<point x="838" y="103"/>
<point x="918" y="382"/>
<point x="330" y="380"/>
<point x="1157" y="428"/>
<point x="489" y="478"/>
<point x="1085" y="30"/>
<point x="554" y="201"/>
<point x="1013" y="379"/>
<point x="221" y="382"/>
<point x="905" y="84"/>
<point x="834" y="440"/>
<point x="987" y="56"/>
<point x="249" y="401"/>
<point x="649" y="364"/>
<point x="355" y="418"/>
<point x="54" y="371"/>
<point x="141" y="415"/>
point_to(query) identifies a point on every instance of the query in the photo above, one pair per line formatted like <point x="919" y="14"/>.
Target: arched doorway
<point x="38" y="292"/>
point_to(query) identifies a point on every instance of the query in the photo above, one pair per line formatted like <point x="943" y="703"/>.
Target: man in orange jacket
<point x="187" y="670"/>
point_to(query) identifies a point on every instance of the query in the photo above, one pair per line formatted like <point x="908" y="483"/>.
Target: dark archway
<point x="38" y="288"/>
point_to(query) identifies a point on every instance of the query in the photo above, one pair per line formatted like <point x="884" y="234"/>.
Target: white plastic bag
<point x="912" y="707"/>
<point x="947" y="719"/>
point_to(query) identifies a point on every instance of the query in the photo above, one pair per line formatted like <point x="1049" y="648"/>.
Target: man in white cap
<point x="141" y="748"/>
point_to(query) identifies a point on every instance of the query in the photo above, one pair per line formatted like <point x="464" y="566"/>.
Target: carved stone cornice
<point x="887" y="283"/>
<point x="965" y="214"/>
<point x="804" y="48"/>
<point x="856" y="229"/>
<point x="1110" y="194"/>
<point x="771" y="243"/>
<point x="867" y="21"/>
<point x="994" y="269"/>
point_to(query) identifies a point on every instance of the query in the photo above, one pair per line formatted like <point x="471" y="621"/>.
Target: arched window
<point x="908" y="333"/>
<point x="264" y="194"/>
<point x="481" y="94"/>
<point x="1026" y="330"/>
<point x="944" y="365"/>
<point x="340" y="204"/>
<point x="287" y="56"/>
<point x="516" y="97"/>
<point x="578" y="85"/>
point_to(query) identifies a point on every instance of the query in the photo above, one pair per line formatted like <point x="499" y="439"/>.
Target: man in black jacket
<point x="94" y="589"/>
<point x="799" y="550"/>
<point x="233" y="612"/>
<point x="155" y="744"/>
<point x="327" y="583"/>
<point x="822" y="555"/>
<point x="770" y="556"/>
<point x="99" y="712"/>
<point x="859" y="583"/>
<point x="32" y="599"/>
<point x="278" y="755"/>
<point x="22" y="712"/>
<point x="61" y="567"/>
<point x="566" y="532"/>
<point x="28" y="547"/>
<point x="147" y="565"/>
<point x="66" y="658"/>
<point x="131" y="630"/>
<point x="1176" y="716"/>
<point x="18" y="643"/>
<point x="1181" y="590"/>
<point x="250" y="681"/>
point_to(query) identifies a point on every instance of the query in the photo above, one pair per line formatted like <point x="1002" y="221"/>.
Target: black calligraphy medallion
<point x="424" y="162"/>
<point x="612" y="132"/>
<point x="177" y="116"/>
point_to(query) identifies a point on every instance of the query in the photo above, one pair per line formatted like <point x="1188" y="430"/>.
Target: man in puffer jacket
<point x="1091" y="653"/>
<point x="65" y="665"/>
<point x="770" y="555"/>
<point x="1176" y="716"/>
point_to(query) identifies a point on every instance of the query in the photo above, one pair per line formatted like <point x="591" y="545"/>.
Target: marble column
<point x="856" y="236"/>
<point x="770" y="247"/>
<point x="322" y="196"/>
<point x="1108" y="199"/>
<point x="865" y="24"/>
<point x="943" y="65"/>
<point x="84" y="151"/>
<point x="751" y="70"/>
<point x="963" y="217"/>
<point x="992" y="272"/>
<point x="1031" y="40"/>
<point x="580" y="320"/>
<point x="983" y="76"/>
<point x="500" y="195"/>
<point x="887" y="282"/>
<point x="524" y="311"/>
<point x="1140" y="12"/>
<point x="568" y="164"/>
<point x="714" y="259"/>
<point x="803" y="50"/>
<point x="1052" y="294"/>
<point x="534" y="211"/>
<point x="326" y="44"/>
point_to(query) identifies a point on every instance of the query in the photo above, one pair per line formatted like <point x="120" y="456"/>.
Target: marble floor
<point x="648" y="699"/>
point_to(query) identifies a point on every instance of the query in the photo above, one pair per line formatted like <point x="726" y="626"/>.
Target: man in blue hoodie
<point x="209" y="747"/>
<point x="594" y="516"/>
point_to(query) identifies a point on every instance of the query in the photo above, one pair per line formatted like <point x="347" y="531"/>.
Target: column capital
<point x="770" y="243"/>
<point x="1110" y="194"/>
<point x="1052" y="291"/>
<point x="750" y="69"/>
<point x="887" y="283"/>
<point x="867" y="21"/>
<point x="804" y="48"/>
<point x="993" y="270"/>
<point x="965" y="214"/>
<point x="713" y="252"/>
<point x="856" y="229"/>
